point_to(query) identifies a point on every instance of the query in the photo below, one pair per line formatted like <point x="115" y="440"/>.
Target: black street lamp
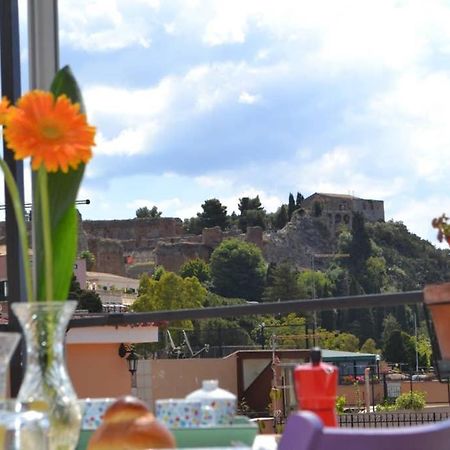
<point x="132" y="362"/>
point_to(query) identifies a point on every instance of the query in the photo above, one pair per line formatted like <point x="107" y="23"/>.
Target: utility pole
<point x="416" y="339"/>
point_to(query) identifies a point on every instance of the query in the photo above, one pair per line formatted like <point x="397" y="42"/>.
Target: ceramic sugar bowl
<point x="221" y="403"/>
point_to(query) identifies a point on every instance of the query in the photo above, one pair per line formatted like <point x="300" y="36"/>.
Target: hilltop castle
<point x="130" y="247"/>
<point x="121" y="245"/>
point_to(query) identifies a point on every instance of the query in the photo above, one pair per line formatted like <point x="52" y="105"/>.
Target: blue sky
<point x="224" y="99"/>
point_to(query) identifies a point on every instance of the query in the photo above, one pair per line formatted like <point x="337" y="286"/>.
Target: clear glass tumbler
<point x="22" y="429"/>
<point x="8" y="343"/>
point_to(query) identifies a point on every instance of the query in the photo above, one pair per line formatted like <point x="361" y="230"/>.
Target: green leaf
<point x="62" y="190"/>
<point x="65" y="83"/>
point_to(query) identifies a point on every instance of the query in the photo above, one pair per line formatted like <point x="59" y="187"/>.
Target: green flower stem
<point x="21" y="227"/>
<point x="47" y="239"/>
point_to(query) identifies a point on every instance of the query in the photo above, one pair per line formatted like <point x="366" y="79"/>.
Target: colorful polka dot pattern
<point x="93" y="411"/>
<point x="223" y="410"/>
<point x="179" y="413"/>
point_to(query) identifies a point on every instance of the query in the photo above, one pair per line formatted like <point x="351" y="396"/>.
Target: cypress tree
<point x="281" y="218"/>
<point x="291" y="206"/>
<point x="299" y="200"/>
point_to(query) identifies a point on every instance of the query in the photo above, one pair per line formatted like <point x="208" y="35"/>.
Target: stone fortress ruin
<point x="131" y="247"/>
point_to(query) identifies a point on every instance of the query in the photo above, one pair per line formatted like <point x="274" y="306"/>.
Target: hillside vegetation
<point x="373" y="258"/>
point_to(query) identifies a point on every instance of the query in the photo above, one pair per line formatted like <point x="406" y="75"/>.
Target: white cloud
<point x="130" y="141"/>
<point x="170" y="28"/>
<point x="342" y="170"/>
<point x="248" y="99"/>
<point x="97" y="26"/>
<point x="130" y="120"/>
<point x="228" y="24"/>
<point x="416" y="110"/>
<point x="170" y="207"/>
<point x="212" y="181"/>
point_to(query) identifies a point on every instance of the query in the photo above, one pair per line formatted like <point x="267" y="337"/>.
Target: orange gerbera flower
<point x="4" y="109"/>
<point x="52" y="131"/>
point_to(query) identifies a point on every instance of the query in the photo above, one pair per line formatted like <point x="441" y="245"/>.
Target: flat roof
<point x="336" y="355"/>
<point x="110" y="278"/>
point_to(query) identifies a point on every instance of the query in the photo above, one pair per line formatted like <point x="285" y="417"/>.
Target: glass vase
<point x="8" y="343"/>
<point x="46" y="385"/>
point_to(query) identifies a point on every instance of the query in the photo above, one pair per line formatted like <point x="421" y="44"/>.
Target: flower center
<point x="51" y="131"/>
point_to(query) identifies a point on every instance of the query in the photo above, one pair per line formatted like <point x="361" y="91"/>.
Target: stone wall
<point x="141" y="231"/>
<point x="254" y="235"/>
<point x="301" y="238"/>
<point x="173" y="256"/>
<point x="115" y="243"/>
<point x="135" y="246"/>
<point x="109" y="255"/>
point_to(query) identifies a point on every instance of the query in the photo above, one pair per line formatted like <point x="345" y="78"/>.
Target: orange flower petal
<point x="4" y="110"/>
<point x="52" y="132"/>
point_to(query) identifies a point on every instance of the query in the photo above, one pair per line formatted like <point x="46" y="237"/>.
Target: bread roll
<point x="125" y="408"/>
<point x="126" y="427"/>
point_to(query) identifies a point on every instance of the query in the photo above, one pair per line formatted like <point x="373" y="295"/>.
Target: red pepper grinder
<point x="316" y="386"/>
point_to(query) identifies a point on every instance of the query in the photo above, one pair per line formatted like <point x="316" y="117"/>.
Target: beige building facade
<point x="338" y="209"/>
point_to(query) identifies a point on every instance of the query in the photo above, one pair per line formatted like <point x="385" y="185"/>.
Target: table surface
<point x="265" y="442"/>
<point x="261" y="442"/>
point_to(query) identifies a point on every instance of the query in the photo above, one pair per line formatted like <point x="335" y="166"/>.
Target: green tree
<point x="219" y="332"/>
<point x="238" y="270"/>
<point x="145" y="213"/>
<point x="193" y="225"/>
<point x="89" y="258"/>
<point x="271" y="268"/>
<point x="252" y="213"/>
<point x="158" y="272"/>
<point x="252" y="218"/>
<point x="370" y="346"/>
<point x="247" y="203"/>
<point x="399" y="348"/>
<point x="291" y="206"/>
<point x="168" y="293"/>
<point x="196" y="268"/>
<point x="74" y="289"/>
<point x="214" y="214"/>
<point x="90" y="300"/>
<point x="87" y="299"/>
<point x="314" y="284"/>
<point x="390" y="324"/>
<point x="144" y="284"/>
<point x="289" y="331"/>
<point x="299" y="200"/>
<point x="360" y="248"/>
<point x="424" y="350"/>
<point x="376" y="274"/>
<point x="333" y="340"/>
<point x="284" y="285"/>
<point x="280" y="218"/>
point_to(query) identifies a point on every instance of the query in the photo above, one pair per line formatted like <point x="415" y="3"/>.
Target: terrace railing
<point x="390" y="419"/>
